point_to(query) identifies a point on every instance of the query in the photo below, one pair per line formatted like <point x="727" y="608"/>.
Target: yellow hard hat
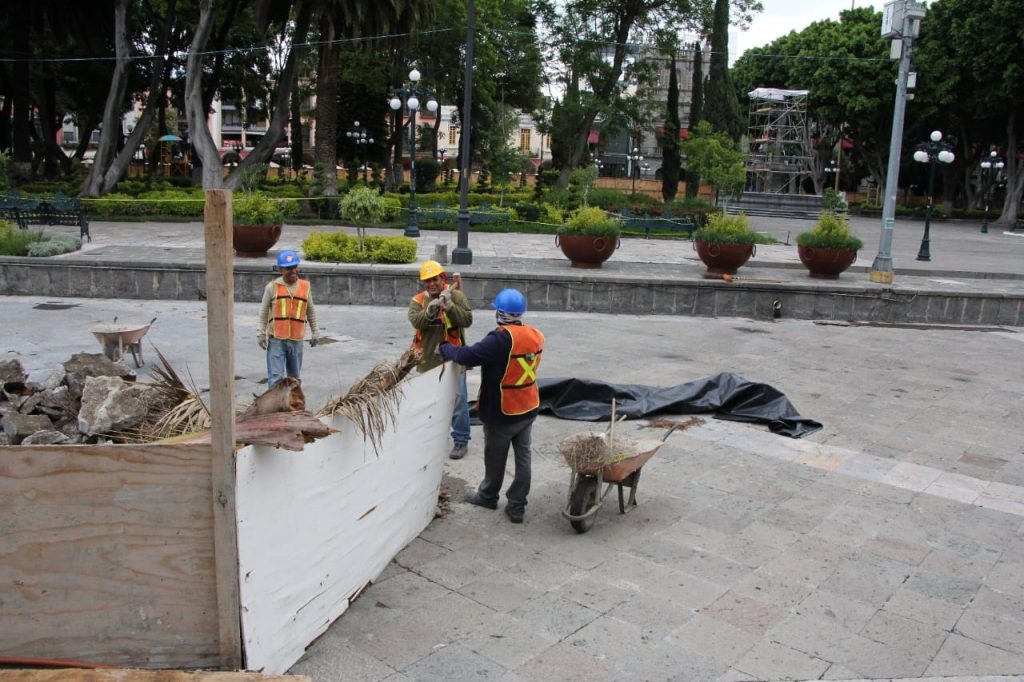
<point x="430" y="269"/>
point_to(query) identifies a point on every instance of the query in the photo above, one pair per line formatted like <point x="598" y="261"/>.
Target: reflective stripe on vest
<point x="451" y="332"/>
<point x="519" y="393"/>
<point x="289" y="311"/>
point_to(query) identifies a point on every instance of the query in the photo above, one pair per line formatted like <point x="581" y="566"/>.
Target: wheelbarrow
<point x="622" y="470"/>
<point x="117" y="338"/>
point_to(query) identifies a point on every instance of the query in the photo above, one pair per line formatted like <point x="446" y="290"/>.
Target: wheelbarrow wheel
<point x="584" y="498"/>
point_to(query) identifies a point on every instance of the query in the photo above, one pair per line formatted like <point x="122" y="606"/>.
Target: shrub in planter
<point x="257" y="222"/>
<point x="589" y="237"/>
<point x="725" y="243"/>
<point x="828" y="248"/>
<point x="338" y="247"/>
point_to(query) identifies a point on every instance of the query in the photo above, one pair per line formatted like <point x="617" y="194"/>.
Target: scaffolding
<point x="779" y="145"/>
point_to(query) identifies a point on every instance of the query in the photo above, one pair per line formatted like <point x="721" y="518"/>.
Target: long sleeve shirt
<point x="269" y="292"/>
<point x="459" y="314"/>
<point x="491" y="354"/>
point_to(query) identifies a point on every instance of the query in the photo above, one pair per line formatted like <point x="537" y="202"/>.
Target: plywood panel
<point x="106" y="555"/>
<point x="316" y="526"/>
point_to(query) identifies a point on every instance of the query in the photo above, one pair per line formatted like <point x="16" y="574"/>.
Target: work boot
<point x="475" y="498"/>
<point x="514" y="515"/>
<point x="459" y="451"/>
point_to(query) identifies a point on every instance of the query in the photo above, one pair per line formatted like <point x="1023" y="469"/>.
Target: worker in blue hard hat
<point x="507" y="404"/>
<point x="287" y="307"/>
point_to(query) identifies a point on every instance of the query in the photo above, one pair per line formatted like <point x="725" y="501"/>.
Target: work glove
<point x="262" y="340"/>
<point x="314" y="341"/>
<point x="446" y="297"/>
<point x="433" y="308"/>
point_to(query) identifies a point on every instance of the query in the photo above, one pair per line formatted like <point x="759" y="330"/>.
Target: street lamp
<point x="360" y="138"/>
<point x="634" y="157"/>
<point x="931" y="153"/>
<point x="411" y="95"/>
<point x="832" y="171"/>
<point x="990" y="168"/>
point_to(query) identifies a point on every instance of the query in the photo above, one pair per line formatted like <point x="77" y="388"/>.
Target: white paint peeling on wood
<point x="314" y="527"/>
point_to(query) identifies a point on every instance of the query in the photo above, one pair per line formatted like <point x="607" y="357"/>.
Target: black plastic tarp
<point x="728" y="395"/>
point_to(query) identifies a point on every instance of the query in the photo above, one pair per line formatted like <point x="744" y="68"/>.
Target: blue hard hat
<point x="510" y="301"/>
<point x="287" y="259"/>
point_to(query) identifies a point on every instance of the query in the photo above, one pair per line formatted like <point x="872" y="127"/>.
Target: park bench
<point x="487" y="215"/>
<point x="684" y="225"/>
<point x="55" y="210"/>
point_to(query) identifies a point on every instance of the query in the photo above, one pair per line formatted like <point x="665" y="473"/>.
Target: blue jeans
<point x="497" y="439"/>
<point x="460" y="417"/>
<point x="284" y="358"/>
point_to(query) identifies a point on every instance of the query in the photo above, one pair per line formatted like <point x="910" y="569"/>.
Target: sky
<point x="782" y="16"/>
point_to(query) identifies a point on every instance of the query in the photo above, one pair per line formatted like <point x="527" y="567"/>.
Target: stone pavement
<point x="888" y="545"/>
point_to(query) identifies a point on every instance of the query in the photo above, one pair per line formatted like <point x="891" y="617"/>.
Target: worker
<point x="286" y="309"/>
<point x="441" y="313"/>
<point x="508" y="400"/>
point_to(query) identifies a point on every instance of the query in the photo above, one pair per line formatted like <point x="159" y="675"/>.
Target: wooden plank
<point x="106" y="554"/>
<point x="121" y="675"/>
<point x="220" y="296"/>
<point x="316" y="526"/>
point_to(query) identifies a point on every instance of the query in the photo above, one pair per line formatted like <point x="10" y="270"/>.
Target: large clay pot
<point x="585" y="251"/>
<point x="253" y="241"/>
<point x="723" y="259"/>
<point x="825" y="263"/>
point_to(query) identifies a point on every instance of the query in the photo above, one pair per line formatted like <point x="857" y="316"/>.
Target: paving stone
<point x="823" y="639"/>
<point x="559" y="616"/>
<point x="777" y="589"/>
<point x="960" y="655"/>
<point x="944" y="587"/>
<point x="1007" y="577"/>
<point x="917" y="606"/>
<point x="332" y="661"/>
<point x="867" y="578"/>
<point x="564" y="662"/>
<point x="662" y="550"/>
<point x="898" y="632"/>
<point x="714" y="569"/>
<point x="839" y="672"/>
<point x="594" y="594"/>
<point x="773" y="661"/>
<point x="508" y="641"/>
<point x="1000" y="630"/>
<point x="454" y="662"/>
<point x="897" y="549"/>
<point x="752" y="615"/>
<point x="835" y="608"/>
<point x="500" y="591"/>
<point x="949" y="563"/>
<point x="715" y="639"/>
<point x="419" y="552"/>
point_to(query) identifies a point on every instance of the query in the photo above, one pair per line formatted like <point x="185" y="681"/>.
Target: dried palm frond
<point x="372" y="402"/>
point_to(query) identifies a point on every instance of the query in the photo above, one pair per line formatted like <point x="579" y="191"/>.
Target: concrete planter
<point x="585" y="251"/>
<point x="723" y="259"/>
<point x="822" y="263"/>
<point x="253" y="241"/>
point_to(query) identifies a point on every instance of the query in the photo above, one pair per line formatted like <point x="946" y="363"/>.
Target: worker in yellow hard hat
<point x="441" y="312"/>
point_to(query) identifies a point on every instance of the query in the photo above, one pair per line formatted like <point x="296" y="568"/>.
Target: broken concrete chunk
<point x="29" y="405"/>
<point x="19" y="426"/>
<point x="111" y="405"/>
<point x="53" y="378"/>
<point x="11" y="372"/>
<point x="45" y="438"/>
<point x="84" y="365"/>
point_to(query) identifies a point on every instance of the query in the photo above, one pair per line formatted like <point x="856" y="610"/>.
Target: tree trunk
<point x="21" y="156"/>
<point x="195" y="112"/>
<point x="109" y="133"/>
<point x="327" y="107"/>
<point x="297" y="150"/>
<point x="1014" y="176"/>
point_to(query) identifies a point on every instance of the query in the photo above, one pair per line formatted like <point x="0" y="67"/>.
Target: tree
<point x="670" y="138"/>
<point x="696" y="113"/>
<point x="716" y="157"/>
<point x="721" y="106"/>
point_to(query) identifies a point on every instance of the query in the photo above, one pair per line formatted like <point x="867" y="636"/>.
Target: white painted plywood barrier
<point x="314" y="527"/>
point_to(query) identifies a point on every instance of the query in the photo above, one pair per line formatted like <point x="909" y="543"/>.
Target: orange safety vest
<point x="519" y="393"/>
<point x="451" y="332"/>
<point x="289" y="312"/>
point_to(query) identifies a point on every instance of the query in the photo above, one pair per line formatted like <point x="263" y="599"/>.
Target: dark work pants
<point x="497" y="439"/>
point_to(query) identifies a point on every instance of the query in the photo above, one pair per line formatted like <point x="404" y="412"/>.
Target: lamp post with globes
<point x="410" y="97"/>
<point x="832" y="171"/>
<point x="634" y="167"/>
<point x="990" y="168"/>
<point x="931" y="153"/>
<point x="360" y="138"/>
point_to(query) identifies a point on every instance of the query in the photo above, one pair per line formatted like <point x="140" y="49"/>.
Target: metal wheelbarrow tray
<point x="116" y="338"/>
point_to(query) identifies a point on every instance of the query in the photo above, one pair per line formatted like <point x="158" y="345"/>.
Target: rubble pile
<point x="88" y="399"/>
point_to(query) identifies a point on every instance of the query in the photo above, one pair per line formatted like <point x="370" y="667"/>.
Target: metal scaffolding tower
<point x="779" y="145"/>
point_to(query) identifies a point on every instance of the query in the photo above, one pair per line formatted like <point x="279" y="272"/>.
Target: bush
<point x="592" y="221"/>
<point x="256" y="208"/>
<point x="14" y="242"/>
<point x="608" y="199"/>
<point x="338" y="247"/>
<point x="54" y="243"/>
<point x="830" y="232"/>
<point x="553" y="215"/>
<point x="527" y="212"/>
<point x="723" y="228"/>
<point x="364" y="206"/>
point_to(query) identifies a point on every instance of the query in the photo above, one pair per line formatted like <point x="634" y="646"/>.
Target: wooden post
<point x="220" y="296"/>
